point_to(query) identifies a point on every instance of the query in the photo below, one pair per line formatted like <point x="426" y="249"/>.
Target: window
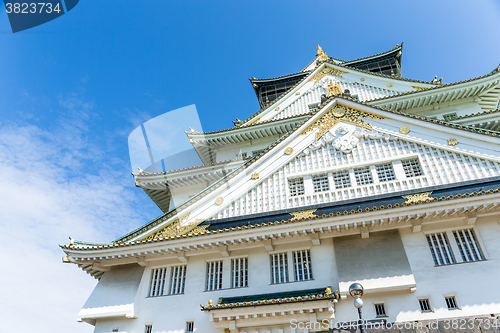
<point x="178" y="280"/>
<point x="189" y="326"/>
<point x="385" y="172"/>
<point x="302" y="265"/>
<point x="115" y="330"/>
<point x="148" y="328"/>
<point x="425" y="305"/>
<point x="468" y="245"/>
<point x="412" y="168"/>
<point x="449" y="116"/>
<point x="380" y="310"/>
<point x="214" y="275"/>
<point x="341" y="179"/>
<point x="440" y="249"/>
<point x="279" y="268"/>
<point x="363" y="176"/>
<point x="451" y="302"/>
<point x="441" y="245"/>
<point x="296" y="186"/>
<point x="158" y="279"/>
<point x="320" y="183"/>
<point x="239" y="272"/>
<point x="256" y="152"/>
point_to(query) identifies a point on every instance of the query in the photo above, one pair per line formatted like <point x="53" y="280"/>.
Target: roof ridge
<point x="253" y="79"/>
<point x="376" y="55"/>
<point x="145" y="173"/>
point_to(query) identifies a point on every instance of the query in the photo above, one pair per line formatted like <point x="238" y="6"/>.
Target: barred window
<point x="302" y="265"/>
<point x="385" y="172"/>
<point x="341" y="179"/>
<point x="380" y="310"/>
<point x="296" y="186"/>
<point x="451" y="302"/>
<point x="178" y="280"/>
<point x="412" y="168"/>
<point x="214" y="275"/>
<point x="363" y="176"/>
<point x="320" y="183"/>
<point x="158" y="279"/>
<point x="425" y="305"/>
<point x="189" y="326"/>
<point x="440" y="249"/>
<point x="468" y="245"/>
<point x="279" y="268"/>
<point x="239" y="272"/>
<point x="148" y="328"/>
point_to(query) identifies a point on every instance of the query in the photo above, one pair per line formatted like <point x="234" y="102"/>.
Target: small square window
<point x="380" y="310"/>
<point x="451" y="302"/>
<point x="296" y="186"/>
<point x="341" y="179"/>
<point x="385" y="172"/>
<point x="425" y="305"/>
<point x="363" y="176"/>
<point x="148" y="328"/>
<point x="320" y="183"/>
<point x="412" y="168"/>
<point x="189" y="326"/>
<point x="115" y="330"/>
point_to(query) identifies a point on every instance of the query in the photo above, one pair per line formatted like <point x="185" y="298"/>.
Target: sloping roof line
<point x="289" y="221"/>
<point x="247" y="126"/>
<point x="474" y="115"/>
<point x="280" y="77"/>
<point x="270" y="104"/>
<point x="444" y="85"/>
<point x="400" y="47"/>
<point x="225" y="179"/>
<point x="185" y="169"/>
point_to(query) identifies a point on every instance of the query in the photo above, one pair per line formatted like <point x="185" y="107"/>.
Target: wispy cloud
<point x="53" y="185"/>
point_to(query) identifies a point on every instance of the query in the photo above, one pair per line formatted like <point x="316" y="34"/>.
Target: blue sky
<point x="73" y="89"/>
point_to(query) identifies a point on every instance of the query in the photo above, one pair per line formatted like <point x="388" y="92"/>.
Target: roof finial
<point x="322" y="57"/>
<point x="436" y="80"/>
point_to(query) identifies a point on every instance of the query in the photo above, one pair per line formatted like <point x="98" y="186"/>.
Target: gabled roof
<point x="181" y="209"/>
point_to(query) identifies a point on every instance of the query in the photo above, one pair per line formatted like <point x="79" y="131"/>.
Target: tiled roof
<point x="397" y="47"/>
<point x="273" y="298"/>
<point x="184" y="169"/>
<point x="474" y="115"/>
<point x="280" y="77"/>
<point x="348" y="207"/>
<point x="444" y="85"/>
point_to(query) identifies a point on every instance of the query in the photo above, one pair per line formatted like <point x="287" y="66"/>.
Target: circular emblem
<point x="389" y="85"/>
<point x="289" y="151"/>
<point x="219" y="201"/>
<point x="404" y="130"/>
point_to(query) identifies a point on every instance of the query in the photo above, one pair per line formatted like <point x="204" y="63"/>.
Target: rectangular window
<point x="363" y="176"/>
<point x="148" y="328"/>
<point x="425" y="305"/>
<point x="177" y="280"/>
<point x="302" y="265"/>
<point x="412" y="168"/>
<point x="341" y="179"/>
<point x="214" y="275"/>
<point x="115" y="330"/>
<point x="468" y="245"/>
<point x="320" y="183"/>
<point x="279" y="268"/>
<point x="239" y="273"/>
<point x="385" y="172"/>
<point x="189" y="326"/>
<point x="380" y="310"/>
<point x="158" y="279"/>
<point x="313" y="107"/>
<point x="296" y="186"/>
<point x="440" y="249"/>
<point x="451" y="302"/>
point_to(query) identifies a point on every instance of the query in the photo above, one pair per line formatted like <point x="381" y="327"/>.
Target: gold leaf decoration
<point x="404" y="130"/>
<point x="419" y="197"/>
<point x="452" y="142"/>
<point x="175" y="228"/>
<point x="322" y="57"/>
<point x="255" y="175"/>
<point x="303" y="214"/>
<point x="333" y="89"/>
<point x="337" y="114"/>
<point x="289" y="151"/>
<point x="219" y="201"/>
<point x="327" y="71"/>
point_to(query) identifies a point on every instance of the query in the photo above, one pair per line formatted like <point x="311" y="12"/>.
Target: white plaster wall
<point x="169" y="313"/>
